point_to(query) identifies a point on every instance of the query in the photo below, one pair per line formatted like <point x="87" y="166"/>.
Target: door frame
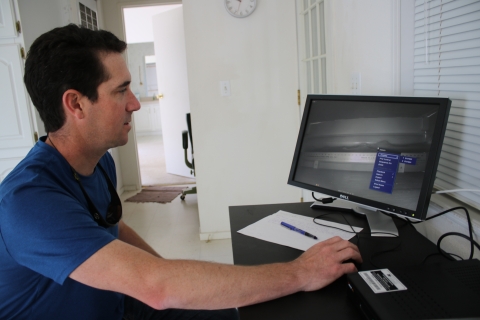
<point x="330" y="63"/>
<point x="131" y="155"/>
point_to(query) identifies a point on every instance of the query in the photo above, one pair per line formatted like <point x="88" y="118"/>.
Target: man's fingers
<point x="349" y="254"/>
<point x="325" y="262"/>
<point x="341" y="249"/>
<point x="342" y="244"/>
<point x="348" y="268"/>
<point x="345" y="248"/>
<point x="336" y="243"/>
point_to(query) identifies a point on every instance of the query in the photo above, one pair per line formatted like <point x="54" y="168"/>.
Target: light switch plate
<point x="225" y="88"/>
<point x="356" y="83"/>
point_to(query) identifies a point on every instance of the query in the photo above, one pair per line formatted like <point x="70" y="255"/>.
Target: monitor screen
<point x="380" y="152"/>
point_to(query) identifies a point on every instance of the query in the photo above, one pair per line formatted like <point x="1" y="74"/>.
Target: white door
<point x="16" y="134"/>
<point x="7" y="20"/>
<point x="312" y="54"/>
<point x="171" y="63"/>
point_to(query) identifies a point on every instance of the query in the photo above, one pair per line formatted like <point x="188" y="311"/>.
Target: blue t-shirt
<point x="46" y="232"/>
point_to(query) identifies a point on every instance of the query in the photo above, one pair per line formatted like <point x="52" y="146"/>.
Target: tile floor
<point x="173" y="229"/>
<point x="151" y="158"/>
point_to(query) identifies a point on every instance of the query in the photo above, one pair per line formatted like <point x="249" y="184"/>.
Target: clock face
<point x="240" y="8"/>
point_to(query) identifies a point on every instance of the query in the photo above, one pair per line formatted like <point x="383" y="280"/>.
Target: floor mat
<point x="157" y="194"/>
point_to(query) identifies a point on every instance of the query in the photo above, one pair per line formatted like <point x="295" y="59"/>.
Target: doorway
<point x="147" y="121"/>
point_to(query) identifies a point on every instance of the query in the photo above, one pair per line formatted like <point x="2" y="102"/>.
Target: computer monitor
<point x="379" y="153"/>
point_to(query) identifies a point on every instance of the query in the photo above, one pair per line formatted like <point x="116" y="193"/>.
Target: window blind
<point x="447" y="64"/>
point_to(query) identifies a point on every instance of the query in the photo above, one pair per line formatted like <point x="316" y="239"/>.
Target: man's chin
<point x="123" y="142"/>
<point x="119" y="143"/>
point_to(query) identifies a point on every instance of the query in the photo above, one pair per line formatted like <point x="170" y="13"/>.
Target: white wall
<point x="138" y="22"/>
<point x="112" y="12"/>
<point x="407" y="34"/>
<point x="235" y="136"/>
<point x="39" y="17"/>
<point x="243" y="143"/>
<point x="362" y="39"/>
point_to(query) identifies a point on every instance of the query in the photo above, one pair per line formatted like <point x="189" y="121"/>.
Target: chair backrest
<point x="189" y="125"/>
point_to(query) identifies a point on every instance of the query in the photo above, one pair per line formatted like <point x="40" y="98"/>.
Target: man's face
<point x="110" y="116"/>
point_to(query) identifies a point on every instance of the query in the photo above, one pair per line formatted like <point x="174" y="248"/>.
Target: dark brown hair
<point x="66" y="58"/>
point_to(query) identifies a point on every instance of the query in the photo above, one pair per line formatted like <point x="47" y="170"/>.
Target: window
<point x="447" y="63"/>
<point x="88" y="17"/>
<point x="151" y="76"/>
<point x="312" y="45"/>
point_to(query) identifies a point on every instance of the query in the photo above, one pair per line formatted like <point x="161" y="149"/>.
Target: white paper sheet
<point x="269" y="229"/>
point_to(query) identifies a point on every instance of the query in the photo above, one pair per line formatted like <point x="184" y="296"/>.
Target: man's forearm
<point x="163" y="283"/>
<point x="197" y="284"/>
<point x="204" y="285"/>
<point x="192" y="284"/>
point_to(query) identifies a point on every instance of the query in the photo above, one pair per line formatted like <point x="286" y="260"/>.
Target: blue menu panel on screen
<point x="408" y="160"/>
<point x="384" y="172"/>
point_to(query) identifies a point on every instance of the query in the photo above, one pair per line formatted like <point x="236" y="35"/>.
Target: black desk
<point x="331" y="302"/>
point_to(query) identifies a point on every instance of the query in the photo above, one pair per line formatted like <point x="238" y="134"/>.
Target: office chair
<point x="185" y="135"/>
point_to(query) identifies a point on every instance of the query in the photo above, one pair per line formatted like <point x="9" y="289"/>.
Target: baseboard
<point x="131" y="187"/>
<point x="206" y="236"/>
<point x="120" y="190"/>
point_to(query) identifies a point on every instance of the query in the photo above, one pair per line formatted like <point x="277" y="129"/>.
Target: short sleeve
<point x="44" y="221"/>
<point x="51" y="237"/>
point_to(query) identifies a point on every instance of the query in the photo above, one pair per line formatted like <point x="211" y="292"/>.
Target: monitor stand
<point x="380" y="224"/>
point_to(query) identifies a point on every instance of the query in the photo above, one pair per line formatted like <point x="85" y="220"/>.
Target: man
<point x="65" y="253"/>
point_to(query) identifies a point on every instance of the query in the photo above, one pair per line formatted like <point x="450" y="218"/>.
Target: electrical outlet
<point x="225" y="88"/>
<point x="355" y="83"/>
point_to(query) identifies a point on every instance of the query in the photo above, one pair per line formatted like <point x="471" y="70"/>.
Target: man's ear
<point x="73" y="101"/>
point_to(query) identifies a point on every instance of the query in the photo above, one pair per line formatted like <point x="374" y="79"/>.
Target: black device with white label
<point x="448" y="290"/>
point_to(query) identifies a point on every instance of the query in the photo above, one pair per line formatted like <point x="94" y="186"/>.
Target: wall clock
<point x="240" y="8"/>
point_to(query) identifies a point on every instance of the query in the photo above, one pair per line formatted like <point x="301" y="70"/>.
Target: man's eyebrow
<point x="125" y="84"/>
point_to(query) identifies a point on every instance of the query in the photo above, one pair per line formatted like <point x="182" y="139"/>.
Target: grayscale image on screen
<point x="373" y="150"/>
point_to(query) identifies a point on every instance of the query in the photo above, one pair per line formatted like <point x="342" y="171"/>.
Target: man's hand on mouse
<point x="323" y="263"/>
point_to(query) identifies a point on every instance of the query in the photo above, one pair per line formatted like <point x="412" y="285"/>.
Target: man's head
<point x="66" y="58"/>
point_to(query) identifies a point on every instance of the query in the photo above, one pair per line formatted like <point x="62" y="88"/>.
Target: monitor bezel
<point x="420" y="212"/>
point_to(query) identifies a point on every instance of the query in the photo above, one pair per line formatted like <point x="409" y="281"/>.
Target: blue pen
<point x="289" y="226"/>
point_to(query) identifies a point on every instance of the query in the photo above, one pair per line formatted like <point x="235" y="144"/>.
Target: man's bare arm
<point x="185" y="284"/>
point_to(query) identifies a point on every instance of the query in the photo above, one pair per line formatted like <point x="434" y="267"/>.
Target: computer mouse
<point x="358" y="265"/>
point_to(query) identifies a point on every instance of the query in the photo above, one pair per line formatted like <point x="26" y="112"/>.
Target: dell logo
<point x="343" y="197"/>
